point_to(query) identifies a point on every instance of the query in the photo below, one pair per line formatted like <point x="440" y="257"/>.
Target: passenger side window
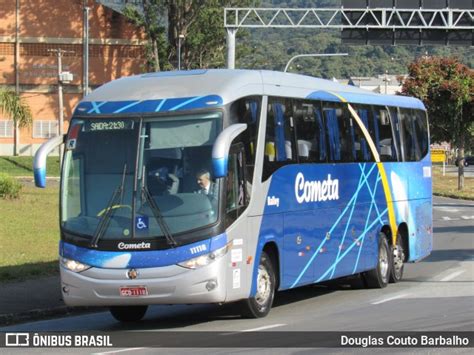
<point x="339" y="133"/>
<point x="280" y="148"/>
<point x="361" y="149"/>
<point x="421" y="129"/>
<point x="310" y="133"/>
<point x="411" y="145"/>
<point x="381" y="126"/>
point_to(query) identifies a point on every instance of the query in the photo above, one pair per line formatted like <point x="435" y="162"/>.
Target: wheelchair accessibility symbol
<point x="141" y="222"/>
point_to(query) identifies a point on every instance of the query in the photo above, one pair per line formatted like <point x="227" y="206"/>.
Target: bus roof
<point x="181" y="90"/>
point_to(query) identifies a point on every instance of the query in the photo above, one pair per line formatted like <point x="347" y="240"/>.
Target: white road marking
<point x="263" y="328"/>
<point x="254" y="329"/>
<point x="118" y="351"/>
<point x="452" y="275"/>
<point x="467" y="217"/>
<point x="446" y="209"/>
<point x="391" y="298"/>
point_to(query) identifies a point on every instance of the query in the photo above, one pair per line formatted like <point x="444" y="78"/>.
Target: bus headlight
<point x="204" y="260"/>
<point x="73" y="265"/>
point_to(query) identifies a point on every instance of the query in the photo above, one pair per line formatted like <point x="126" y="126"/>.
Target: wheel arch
<point x="271" y="249"/>
<point x="387" y="232"/>
<point x="403" y="234"/>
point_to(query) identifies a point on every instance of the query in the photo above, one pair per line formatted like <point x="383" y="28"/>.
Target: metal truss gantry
<point x="343" y="18"/>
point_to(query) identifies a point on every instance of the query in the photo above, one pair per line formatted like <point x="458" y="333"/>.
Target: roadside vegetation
<point x="29" y="234"/>
<point x="23" y="166"/>
<point x="447" y="185"/>
<point x="9" y="187"/>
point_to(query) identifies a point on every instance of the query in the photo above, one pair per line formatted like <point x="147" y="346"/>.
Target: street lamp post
<point x="180" y="37"/>
<point x="313" y="55"/>
<point x="85" y="82"/>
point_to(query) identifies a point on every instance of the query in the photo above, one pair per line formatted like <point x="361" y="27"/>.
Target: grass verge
<point x="29" y="234"/>
<point x="23" y="166"/>
<point x="447" y="185"/>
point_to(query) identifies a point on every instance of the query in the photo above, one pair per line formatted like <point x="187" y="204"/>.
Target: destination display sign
<point x="108" y="125"/>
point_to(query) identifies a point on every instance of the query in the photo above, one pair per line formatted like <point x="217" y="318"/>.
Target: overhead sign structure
<point x="365" y="21"/>
<point x="410" y="22"/>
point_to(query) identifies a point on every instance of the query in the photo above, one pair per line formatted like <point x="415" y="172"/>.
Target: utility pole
<point x="16" y="130"/>
<point x="85" y="50"/>
<point x="63" y="77"/>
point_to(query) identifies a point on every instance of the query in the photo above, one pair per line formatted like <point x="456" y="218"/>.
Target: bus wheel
<point x="379" y="277"/>
<point x="259" y="306"/>
<point x="128" y="313"/>
<point x="398" y="258"/>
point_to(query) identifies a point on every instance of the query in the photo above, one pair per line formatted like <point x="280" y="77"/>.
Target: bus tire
<point x="128" y="313"/>
<point x="260" y="305"/>
<point x="380" y="276"/>
<point x="398" y="259"/>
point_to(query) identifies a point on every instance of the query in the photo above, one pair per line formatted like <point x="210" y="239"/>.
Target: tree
<point x="200" y="22"/>
<point x="13" y="106"/>
<point x="446" y="87"/>
<point x="150" y="18"/>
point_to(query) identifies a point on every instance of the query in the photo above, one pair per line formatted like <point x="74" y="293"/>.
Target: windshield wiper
<point x="117" y="197"/>
<point x="159" y="217"/>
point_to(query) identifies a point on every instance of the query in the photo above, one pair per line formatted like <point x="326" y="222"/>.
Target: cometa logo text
<point x="317" y="190"/>
<point x="126" y="246"/>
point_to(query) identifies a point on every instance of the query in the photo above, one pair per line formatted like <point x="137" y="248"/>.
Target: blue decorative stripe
<point x="351" y="203"/>
<point x="146" y="106"/>
<point x="369" y="99"/>
<point x="141" y="259"/>
<point x="356" y="242"/>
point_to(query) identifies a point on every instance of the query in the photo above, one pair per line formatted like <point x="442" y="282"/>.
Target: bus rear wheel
<point x="379" y="277"/>
<point x="260" y="305"/>
<point x="398" y="259"/>
<point x="128" y="313"/>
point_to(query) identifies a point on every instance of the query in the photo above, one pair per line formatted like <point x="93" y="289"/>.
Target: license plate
<point x="135" y="291"/>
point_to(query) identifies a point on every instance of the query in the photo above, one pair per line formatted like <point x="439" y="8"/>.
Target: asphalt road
<point x="436" y="294"/>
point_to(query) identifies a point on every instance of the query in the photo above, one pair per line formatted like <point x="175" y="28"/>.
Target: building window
<point x="6" y="129"/>
<point x="45" y="129"/>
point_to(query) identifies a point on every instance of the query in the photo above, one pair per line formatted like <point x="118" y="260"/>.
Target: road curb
<point x="455" y="197"/>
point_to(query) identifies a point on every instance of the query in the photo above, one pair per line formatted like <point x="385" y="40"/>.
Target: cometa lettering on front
<point x="316" y="190"/>
<point x="142" y="245"/>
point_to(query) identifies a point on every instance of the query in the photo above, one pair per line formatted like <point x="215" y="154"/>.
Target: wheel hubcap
<point x="264" y="285"/>
<point x="398" y="257"/>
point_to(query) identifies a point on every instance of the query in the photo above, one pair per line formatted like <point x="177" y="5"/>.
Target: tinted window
<point x="340" y="135"/>
<point x="411" y="133"/>
<point x="279" y="137"/>
<point x="310" y="132"/>
<point x="421" y="128"/>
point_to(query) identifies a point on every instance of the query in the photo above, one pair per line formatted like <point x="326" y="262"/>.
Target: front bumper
<point x="166" y="285"/>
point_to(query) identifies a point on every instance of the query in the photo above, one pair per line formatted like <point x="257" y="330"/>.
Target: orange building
<point x="31" y="31"/>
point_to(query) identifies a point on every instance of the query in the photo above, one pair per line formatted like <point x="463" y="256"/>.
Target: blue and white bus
<point x="310" y="180"/>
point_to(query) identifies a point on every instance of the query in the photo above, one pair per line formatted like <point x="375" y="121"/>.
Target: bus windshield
<point x="139" y="178"/>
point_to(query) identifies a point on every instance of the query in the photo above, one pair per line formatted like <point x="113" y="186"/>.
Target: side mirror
<point x="220" y="151"/>
<point x="39" y="164"/>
